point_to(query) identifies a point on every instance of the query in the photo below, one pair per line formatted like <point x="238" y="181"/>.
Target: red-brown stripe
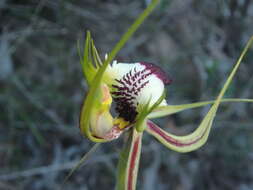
<point x="170" y="139"/>
<point x="133" y="157"/>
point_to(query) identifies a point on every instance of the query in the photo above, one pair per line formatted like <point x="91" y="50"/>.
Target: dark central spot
<point x="126" y="91"/>
<point x="125" y="109"/>
<point x="130" y="85"/>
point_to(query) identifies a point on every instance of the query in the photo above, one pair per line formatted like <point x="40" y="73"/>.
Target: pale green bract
<point x="98" y="125"/>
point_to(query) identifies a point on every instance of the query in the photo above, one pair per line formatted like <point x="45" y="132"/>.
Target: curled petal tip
<point x="158" y="72"/>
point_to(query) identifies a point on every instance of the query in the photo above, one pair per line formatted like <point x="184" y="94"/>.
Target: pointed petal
<point x="129" y="163"/>
<point x="94" y="110"/>
<point x="199" y="136"/>
<point x="171" y="109"/>
<point x="186" y="143"/>
<point x="88" y="67"/>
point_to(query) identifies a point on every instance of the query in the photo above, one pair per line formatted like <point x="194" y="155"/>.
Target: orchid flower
<point x="138" y="91"/>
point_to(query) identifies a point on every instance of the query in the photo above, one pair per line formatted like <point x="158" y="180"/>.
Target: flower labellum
<point x="138" y="90"/>
<point x="134" y="85"/>
<point x="131" y="86"/>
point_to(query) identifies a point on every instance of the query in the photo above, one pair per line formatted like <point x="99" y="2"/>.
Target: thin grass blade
<point x="81" y="162"/>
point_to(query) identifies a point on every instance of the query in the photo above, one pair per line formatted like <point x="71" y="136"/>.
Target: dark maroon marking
<point x="129" y="75"/>
<point x="142" y="86"/>
<point x="136" y="74"/>
<point x="97" y="137"/>
<point x="126" y="91"/>
<point x="158" y="72"/>
<point x="121" y="93"/>
<point x="124" y="98"/>
<point x="120" y="81"/>
<point x="135" y="84"/>
<point x="133" y="157"/>
<point x="126" y="109"/>
<point x="120" y="88"/>
<point x="153" y="127"/>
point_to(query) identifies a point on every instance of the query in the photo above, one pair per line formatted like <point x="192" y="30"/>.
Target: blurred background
<point x="42" y="88"/>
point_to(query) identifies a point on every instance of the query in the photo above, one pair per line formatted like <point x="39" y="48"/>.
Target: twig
<point x="82" y="12"/>
<point x="54" y="168"/>
<point x="51" y="115"/>
<point x="59" y="167"/>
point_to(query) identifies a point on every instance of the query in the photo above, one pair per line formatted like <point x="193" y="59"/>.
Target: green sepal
<point x="199" y="137"/>
<point x="145" y="111"/>
<point x="172" y="109"/>
<point x="87" y="62"/>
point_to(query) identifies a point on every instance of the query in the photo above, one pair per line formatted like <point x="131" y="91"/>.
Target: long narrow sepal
<point x="199" y="136"/>
<point x="129" y="163"/>
<point x="171" y="109"/>
<point x="145" y="111"/>
<point x="182" y="144"/>
<point x="87" y="59"/>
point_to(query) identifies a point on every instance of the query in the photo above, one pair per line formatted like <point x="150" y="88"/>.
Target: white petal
<point x="153" y="91"/>
<point x="118" y="70"/>
<point x="150" y="87"/>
